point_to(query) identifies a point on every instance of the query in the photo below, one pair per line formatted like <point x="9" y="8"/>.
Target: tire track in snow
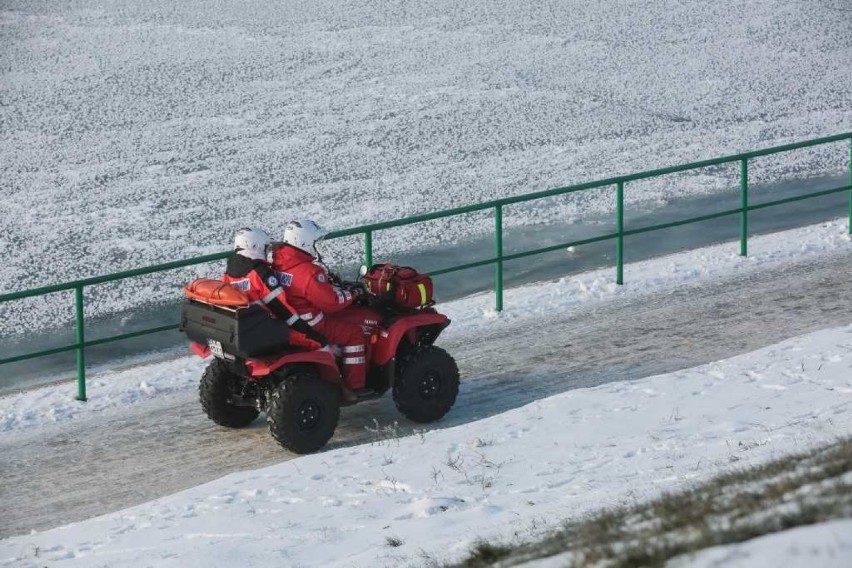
<point x="53" y="477"/>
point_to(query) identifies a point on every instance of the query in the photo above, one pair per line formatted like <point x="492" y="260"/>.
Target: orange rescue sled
<point x="215" y="292"/>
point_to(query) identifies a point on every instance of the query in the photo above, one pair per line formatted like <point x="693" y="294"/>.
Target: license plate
<point x="216" y="348"/>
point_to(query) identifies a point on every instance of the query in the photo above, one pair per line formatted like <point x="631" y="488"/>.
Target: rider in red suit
<point x="249" y="272"/>
<point x="316" y="299"/>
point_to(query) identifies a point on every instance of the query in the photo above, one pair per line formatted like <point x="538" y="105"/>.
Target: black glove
<point x="362" y="297"/>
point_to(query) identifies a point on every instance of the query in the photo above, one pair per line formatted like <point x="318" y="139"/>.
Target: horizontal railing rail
<point x="498" y="259"/>
<point x="73" y="285"/>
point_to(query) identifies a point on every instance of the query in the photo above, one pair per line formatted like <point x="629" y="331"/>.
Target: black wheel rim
<point x="430" y="386"/>
<point x="308" y="415"/>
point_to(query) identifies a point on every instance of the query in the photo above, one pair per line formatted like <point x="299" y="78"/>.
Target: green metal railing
<point x="497" y="260"/>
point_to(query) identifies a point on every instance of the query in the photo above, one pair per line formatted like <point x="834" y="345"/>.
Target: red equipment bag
<point x="399" y="286"/>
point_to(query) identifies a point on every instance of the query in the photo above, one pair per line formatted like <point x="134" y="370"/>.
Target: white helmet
<point x="251" y="243"/>
<point x="304" y="235"/>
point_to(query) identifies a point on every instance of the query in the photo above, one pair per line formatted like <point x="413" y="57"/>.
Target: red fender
<point x="388" y="339"/>
<point x="323" y="360"/>
<point x="201" y="350"/>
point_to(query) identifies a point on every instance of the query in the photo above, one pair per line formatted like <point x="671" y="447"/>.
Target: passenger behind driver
<point x="249" y="271"/>
<point x="316" y="299"/>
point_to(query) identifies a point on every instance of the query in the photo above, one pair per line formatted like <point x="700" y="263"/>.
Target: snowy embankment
<point x="504" y="478"/>
<point x="404" y="501"/>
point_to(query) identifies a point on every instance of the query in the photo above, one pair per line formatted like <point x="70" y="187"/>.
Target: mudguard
<point x="388" y="339"/>
<point x="323" y="360"/>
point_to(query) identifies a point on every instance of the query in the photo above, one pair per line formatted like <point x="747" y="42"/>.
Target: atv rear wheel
<point x="303" y="411"/>
<point x="218" y="386"/>
<point x="427" y="384"/>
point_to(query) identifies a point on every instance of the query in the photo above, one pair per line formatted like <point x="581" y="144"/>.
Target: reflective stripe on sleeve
<point x="354" y="360"/>
<point x="353" y="349"/>
<point x="272" y="295"/>
<point x="312" y="321"/>
<point x="292" y="319"/>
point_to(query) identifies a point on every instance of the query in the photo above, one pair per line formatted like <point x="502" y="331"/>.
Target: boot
<point x="348" y="395"/>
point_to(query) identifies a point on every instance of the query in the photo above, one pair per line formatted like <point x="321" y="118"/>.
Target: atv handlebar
<point x="357" y="288"/>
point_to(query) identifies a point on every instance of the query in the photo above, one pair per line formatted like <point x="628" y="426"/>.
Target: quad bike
<point x="256" y="369"/>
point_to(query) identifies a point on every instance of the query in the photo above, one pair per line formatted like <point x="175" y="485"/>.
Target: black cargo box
<point x="242" y="332"/>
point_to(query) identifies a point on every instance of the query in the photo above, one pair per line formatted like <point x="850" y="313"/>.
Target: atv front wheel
<point x="427" y="384"/>
<point x="218" y="386"/>
<point x="303" y="411"/>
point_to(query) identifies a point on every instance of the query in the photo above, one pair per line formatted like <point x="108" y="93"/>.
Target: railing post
<point x="744" y="207"/>
<point x="368" y="248"/>
<point x="498" y="270"/>
<point x="619" y="228"/>
<point x="81" y="355"/>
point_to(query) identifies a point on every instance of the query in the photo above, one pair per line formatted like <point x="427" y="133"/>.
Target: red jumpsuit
<point x="258" y="282"/>
<point x="315" y="299"/>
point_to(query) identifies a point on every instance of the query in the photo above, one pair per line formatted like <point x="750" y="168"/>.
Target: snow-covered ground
<point x="827" y="545"/>
<point x="134" y="133"/>
<point x="198" y="119"/>
<point x="404" y="501"/>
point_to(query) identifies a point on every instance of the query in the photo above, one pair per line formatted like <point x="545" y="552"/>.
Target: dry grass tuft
<point x="792" y="491"/>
